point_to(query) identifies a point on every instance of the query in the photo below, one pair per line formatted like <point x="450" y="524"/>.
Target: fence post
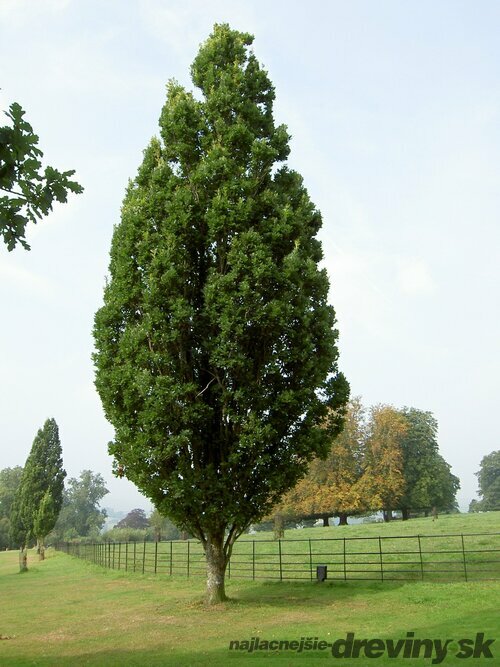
<point x="381" y="561"/>
<point x="119" y="555"/>
<point x="345" y="564"/>
<point x="114" y="547"/>
<point x="310" y="559"/>
<point x="463" y="553"/>
<point x="156" y="555"/>
<point x="170" y="557"/>
<point x="135" y="548"/>
<point x="281" y="565"/>
<point x="421" y="559"/>
<point x="188" y="560"/>
<point x="144" y="556"/>
<point x="253" y="560"/>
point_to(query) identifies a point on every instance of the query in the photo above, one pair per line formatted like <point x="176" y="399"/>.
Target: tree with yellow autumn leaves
<point x="369" y="468"/>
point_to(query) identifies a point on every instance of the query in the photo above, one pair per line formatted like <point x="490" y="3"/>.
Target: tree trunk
<point x="326" y="523"/>
<point x="426" y="513"/>
<point x="405" y="514"/>
<point x="40" y="548"/>
<point x="216" y="569"/>
<point x="342" y="519"/>
<point x="279" y="526"/>
<point x="387" y="515"/>
<point x="23" y="559"/>
<point x="434" y="513"/>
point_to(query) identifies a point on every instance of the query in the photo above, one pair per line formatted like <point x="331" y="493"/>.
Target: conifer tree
<point x="40" y="493"/>
<point x="216" y="355"/>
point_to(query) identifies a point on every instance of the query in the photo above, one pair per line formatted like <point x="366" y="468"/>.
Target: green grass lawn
<point x="66" y="611"/>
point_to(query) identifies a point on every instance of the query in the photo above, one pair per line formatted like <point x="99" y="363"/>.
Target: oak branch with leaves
<point x="26" y="192"/>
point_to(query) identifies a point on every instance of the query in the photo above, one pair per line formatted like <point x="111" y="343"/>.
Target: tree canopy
<point x="39" y="496"/>
<point x="134" y="519"/>
<point x="80" y="514"/>
<point x="216" y="348"/>
<point x="10" y="479"/>
<point x="27" y="192"/>
<point x="383" y="481"/>
<point x="489" y="483"/>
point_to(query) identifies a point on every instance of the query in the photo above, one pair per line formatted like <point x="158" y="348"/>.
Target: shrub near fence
<point x="469" y="557"/>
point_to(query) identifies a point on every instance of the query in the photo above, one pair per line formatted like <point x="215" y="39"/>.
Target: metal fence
<point x="459" y="557"/>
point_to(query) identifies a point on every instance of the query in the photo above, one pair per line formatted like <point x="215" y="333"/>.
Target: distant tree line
<point x="136" y="526"/>
<point x="80" y="516"/>
<point x="385" y="459"/>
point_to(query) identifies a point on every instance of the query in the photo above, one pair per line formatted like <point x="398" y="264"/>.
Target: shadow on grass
<point x="284" y="594"/>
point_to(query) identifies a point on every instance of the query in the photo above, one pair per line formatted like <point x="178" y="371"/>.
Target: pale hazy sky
<point x="394" y="110"/>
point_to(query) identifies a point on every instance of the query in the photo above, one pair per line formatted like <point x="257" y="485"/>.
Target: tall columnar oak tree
<point x="216" y="348"/>
<point x="40" y="493"/>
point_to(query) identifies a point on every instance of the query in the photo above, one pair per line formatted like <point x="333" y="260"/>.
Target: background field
<point x="441" y="550"/>
<point x="66" y="611"/>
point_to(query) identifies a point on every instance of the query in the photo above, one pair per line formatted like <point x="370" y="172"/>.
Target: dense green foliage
<point x="429" y="482"/>
<point x="29" y="193"/>
<point x="157" y="528"/>
<point x="216" y="348"/>
<point x="489" y="484"/>
<point x="39" y="496"/>
<point x="80" y="514"/>
<point x="10" y="479"/>
<point x="162" y="528"/>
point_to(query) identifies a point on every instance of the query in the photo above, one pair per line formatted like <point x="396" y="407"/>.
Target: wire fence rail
<point x="454" y="557"/>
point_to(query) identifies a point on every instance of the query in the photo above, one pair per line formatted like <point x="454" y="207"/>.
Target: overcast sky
<point x="394" y="112"/>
